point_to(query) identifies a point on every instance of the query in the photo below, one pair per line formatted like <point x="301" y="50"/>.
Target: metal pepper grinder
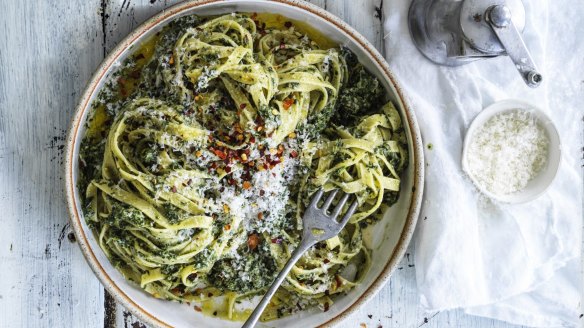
<point x="456" y="32"/>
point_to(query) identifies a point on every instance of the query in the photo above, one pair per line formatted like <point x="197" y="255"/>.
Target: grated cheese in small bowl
<point x="511" y="152"/>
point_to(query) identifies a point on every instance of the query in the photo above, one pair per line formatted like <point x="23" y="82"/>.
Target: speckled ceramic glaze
<point x="388" y="239"/>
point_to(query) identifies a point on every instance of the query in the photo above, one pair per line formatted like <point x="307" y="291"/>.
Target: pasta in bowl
<point x="203" y="148"/>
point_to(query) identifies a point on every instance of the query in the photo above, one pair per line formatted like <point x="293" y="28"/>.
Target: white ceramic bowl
<point x="541" y="182"/>
<point x="388" y="239"/>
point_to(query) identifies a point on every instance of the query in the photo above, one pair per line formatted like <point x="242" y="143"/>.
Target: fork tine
<point x="329" y="199"/>
<point x="349" y="213"/>
<point x="339" y="206"/>
<point x="316" y="198"/>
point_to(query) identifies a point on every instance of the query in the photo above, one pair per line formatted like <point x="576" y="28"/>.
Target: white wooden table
<point x="48" y="51"/>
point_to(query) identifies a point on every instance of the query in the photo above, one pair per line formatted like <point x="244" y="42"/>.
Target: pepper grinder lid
<point x="476" y="28"/>
<point x="456" y="32"/>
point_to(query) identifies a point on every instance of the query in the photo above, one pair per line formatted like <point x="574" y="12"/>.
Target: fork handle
<point x="254" y="317"/>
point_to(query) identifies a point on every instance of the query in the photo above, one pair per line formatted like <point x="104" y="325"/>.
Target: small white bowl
<point x="541" y="182"/>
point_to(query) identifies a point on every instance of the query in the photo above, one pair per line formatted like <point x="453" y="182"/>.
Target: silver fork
<point x="317" y="226"/>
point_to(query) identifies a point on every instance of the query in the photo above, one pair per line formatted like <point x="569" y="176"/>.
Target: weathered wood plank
<point x="361" y="15"/>
<point x="48" y="51"/>
<point x="122" y="16"/>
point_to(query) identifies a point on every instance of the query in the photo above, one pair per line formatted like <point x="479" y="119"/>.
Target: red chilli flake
<point x="262" y="192"/>
<point x="252" y="241"/>
<point x="288" y="24"/>
<point x="220" y="154"/>
<point x="242" y="106"/>
<point x="276" y="241"/>
<point x="294" y="154"/>
<point x="173" y="189"/>
<point x="282" y="45"/>
<point x="198" y="308"/>
<point x="288" y="102"/>
<point x="326" y="306"/>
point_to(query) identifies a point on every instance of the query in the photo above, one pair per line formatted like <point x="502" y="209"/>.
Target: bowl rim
<point x="100" y="73"/>
<point x="505" y="106"/>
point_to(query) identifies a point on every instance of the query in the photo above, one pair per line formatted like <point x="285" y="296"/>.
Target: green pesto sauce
<point x="139" y="75"/>
<point x="252" y="270"/>
<point x="363" y="93"/>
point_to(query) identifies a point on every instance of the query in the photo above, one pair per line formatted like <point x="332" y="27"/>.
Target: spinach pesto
<point x="363" y="93"/>
<point x="248" y="271"/>
<point x="203" y="149"/>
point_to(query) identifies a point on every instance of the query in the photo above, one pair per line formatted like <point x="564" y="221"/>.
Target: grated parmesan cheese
<point x="507" y="152"/>
<point x="268" y="193"/>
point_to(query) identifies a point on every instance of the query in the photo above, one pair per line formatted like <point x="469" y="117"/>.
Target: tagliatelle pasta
<point x="196" y="180"/>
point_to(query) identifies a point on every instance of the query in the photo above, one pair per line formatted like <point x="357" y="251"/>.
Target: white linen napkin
<point x="517" y="263"/>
